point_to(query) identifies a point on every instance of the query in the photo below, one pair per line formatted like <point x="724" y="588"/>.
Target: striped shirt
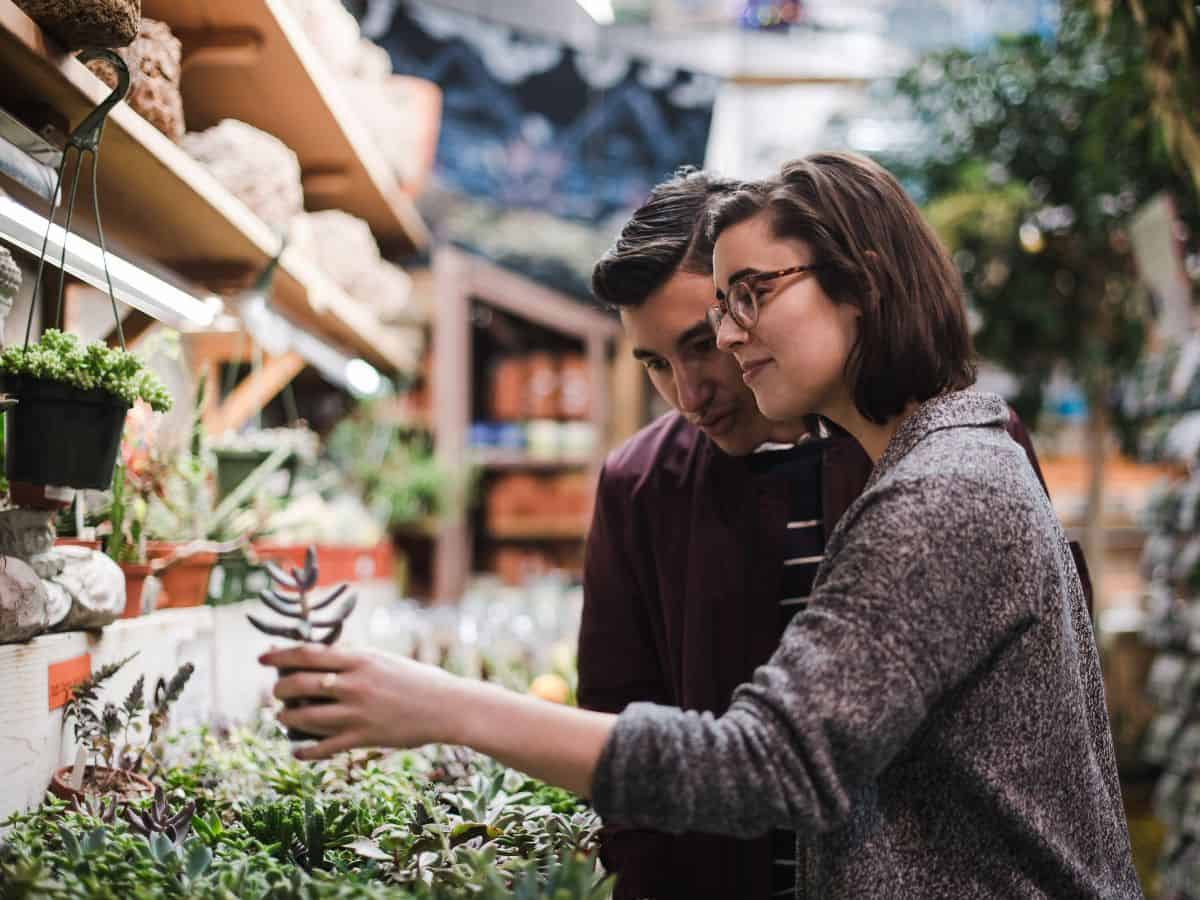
<point x="804" y="548"/>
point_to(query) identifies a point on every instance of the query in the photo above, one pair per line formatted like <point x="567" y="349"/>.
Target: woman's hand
<point x="376" y="700"/>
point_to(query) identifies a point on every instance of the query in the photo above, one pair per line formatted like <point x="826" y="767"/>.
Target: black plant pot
<point x="295" y="734"/>
<point x="235" y="466"/>
<point x="61" y="435"/>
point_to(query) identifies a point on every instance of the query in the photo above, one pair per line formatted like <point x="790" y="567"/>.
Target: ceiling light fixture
<point x="601" y="11"/>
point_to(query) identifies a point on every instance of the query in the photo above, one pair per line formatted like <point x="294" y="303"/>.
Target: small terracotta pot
<point x="39" y="496"/>
<point x="135" y="581"/>
<point x="60" y="783"/>
<point x="185" y="581"/>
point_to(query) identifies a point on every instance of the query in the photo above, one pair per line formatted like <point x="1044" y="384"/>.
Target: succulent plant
<point x="297" y="606"/>
<point x="159" y="818"/>
<point x="299" y="582"/>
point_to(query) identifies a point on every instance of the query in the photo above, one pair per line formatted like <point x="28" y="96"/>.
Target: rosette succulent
<point x="61" y="357"/>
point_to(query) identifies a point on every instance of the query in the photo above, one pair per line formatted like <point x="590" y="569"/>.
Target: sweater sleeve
<point x="923" y="583"/>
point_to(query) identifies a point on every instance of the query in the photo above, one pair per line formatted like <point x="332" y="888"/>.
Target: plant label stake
<point x="295" y="604"/>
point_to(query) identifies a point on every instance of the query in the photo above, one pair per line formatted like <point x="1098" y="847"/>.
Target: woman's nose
<point x="730" y="334"/>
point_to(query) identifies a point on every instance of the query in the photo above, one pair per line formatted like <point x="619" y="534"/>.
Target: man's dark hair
<point x="667" y="234"/>
<point x="879" y="255"/>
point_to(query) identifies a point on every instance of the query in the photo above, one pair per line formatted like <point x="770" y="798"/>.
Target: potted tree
<point x="70" y="397"/>
<point x="115" y="741"/>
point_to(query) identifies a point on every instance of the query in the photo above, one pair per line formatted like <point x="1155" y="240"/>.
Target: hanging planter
<point x="58" y="434"/>
<point x="65" y="429"/>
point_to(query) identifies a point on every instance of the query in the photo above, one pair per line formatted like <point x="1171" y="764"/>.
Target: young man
<point x="708" y="527"/>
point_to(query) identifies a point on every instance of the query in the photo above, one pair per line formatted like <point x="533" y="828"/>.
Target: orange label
<point x="65" y="675"/>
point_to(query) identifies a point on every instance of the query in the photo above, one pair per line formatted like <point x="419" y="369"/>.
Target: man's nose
<point x="693" y="390"/>
<point x="730" y="335"/>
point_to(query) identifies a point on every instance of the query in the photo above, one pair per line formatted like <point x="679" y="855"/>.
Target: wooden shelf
<point x="159" y="204"/>
<point x="520" y="460"/>
<point x="250" y="60"/>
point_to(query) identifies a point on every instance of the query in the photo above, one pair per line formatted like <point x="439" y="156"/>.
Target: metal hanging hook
<point x="84" y="139"/>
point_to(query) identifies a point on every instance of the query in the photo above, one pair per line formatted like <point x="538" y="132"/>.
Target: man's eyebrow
<point x="700" y="330"/>
<point x="641" y="354"/>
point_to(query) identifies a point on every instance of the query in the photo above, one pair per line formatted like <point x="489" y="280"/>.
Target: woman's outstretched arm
<point x="385" y="701"/>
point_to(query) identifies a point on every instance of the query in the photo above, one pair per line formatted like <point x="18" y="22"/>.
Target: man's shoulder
<point x="668" y="448"/>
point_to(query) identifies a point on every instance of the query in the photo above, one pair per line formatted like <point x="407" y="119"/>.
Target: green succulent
<point x="61" y="357"/>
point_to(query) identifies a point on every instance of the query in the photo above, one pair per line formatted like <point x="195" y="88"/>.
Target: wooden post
<point x="451" y="416"/>
<point x="255" y="392"/>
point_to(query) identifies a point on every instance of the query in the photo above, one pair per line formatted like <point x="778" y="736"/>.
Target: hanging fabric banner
<point x="532" y="123"/>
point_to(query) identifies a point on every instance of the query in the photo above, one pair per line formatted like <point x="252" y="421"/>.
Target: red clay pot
<point x="135" y="581"/>
<point x="132" y="785"/>
<point x="185" y="581"/>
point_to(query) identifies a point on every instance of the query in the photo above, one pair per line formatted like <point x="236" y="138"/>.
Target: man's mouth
<point x="716" y="421"/>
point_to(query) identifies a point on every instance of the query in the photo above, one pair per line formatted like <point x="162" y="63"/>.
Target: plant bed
<point x="435" y="824"/>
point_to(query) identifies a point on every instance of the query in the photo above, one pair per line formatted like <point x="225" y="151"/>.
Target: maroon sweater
<point x="679" y="528"/>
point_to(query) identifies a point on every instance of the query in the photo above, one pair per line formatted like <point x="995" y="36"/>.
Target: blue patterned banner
<point x="532" y="123"/>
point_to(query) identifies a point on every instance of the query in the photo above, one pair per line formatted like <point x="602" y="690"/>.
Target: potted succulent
<point x="191" y="525"/>
<point x="240" y="454"/>
<point x="294" y="603"/>
<point x="71" y="397"/>
<point x="114" y="740"/>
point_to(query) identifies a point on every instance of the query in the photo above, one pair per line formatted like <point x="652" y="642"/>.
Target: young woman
<point x="933" y="723"/>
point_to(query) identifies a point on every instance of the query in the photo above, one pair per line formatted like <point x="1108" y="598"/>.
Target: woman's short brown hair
<point x="879" y="255"/>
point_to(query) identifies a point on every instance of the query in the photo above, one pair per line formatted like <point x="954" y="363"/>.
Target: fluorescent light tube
<point x="277" y="335"/>
<point x="159" y="299"/>
<point x="601" y="11"/>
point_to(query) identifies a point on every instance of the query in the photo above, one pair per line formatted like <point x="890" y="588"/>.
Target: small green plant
<point x="61" y="357"/>
<point x="119" y="737"/>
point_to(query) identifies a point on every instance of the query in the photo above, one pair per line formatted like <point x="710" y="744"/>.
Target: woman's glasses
<point x="741" y="303"/>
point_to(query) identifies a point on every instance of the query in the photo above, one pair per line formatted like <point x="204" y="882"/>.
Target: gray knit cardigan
<point x="933" y="724"/>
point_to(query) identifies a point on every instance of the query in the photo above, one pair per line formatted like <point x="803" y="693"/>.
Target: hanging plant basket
<point x="61" y="435"/>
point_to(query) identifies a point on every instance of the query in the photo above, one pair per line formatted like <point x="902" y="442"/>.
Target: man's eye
<point x="702" y="347"/>
<point x="654" y="365"/>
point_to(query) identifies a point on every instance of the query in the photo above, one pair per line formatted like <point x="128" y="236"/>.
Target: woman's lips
<point x="751" y="370"/>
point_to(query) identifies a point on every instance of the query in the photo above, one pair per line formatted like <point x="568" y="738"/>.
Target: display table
<point x="228" y="683"/>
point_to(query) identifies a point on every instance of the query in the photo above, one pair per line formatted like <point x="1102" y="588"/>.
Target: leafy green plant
<point x="61" y="357"/>
<point x="396" y="474"/>
<point x="112" y="734"/>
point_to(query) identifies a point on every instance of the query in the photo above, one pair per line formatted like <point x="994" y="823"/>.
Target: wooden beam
<point x="255" y="392"/>
<point x="133" y="326"/>
<point x="205" y="347"/>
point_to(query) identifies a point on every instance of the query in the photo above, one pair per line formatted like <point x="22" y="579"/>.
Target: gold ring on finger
<point x="329" y="682"/>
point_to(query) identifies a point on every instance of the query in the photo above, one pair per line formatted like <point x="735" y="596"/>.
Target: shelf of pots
<point x="164" y="206"/>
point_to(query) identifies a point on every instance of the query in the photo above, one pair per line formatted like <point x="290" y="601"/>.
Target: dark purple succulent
<point x="298" y="606"/>
<point x="295" y="604"/>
